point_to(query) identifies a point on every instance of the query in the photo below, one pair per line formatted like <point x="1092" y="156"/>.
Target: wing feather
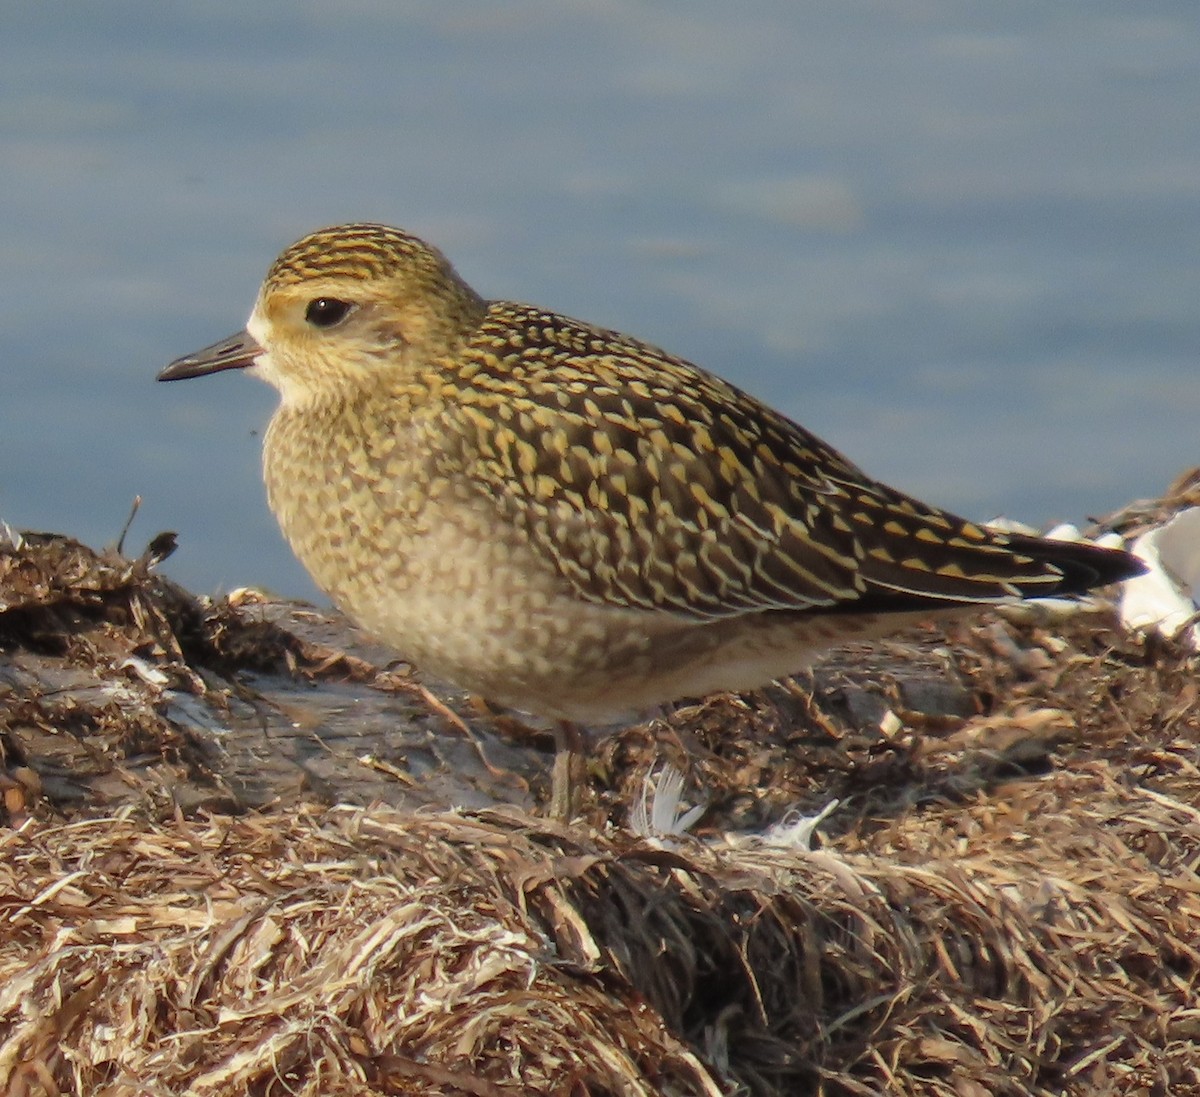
<point x="653" y="484"/>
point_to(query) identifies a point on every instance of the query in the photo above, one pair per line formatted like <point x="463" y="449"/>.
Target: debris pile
<point x="235" y="859"/>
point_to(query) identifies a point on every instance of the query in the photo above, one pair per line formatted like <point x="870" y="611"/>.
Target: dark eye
<point x="324" y="312"/>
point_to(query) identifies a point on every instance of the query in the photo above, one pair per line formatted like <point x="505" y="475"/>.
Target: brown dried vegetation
<point x="1006" y="901"/>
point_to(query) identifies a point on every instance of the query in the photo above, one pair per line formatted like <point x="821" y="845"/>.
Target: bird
<point x="569" y="521"/>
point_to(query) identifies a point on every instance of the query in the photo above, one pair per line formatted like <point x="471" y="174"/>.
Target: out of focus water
<point x="961" y="242"/>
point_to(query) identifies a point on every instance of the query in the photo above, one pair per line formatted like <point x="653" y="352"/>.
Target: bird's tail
<point x="1083" y="566"/>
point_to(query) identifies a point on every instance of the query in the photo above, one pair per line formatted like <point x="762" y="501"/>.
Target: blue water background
<point x="960" y="241"/>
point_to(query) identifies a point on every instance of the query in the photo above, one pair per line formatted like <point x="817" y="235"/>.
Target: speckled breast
<point x="424" y="562"/>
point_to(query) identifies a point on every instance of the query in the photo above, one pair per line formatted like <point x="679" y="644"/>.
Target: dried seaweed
<point x="1007" y="902"/>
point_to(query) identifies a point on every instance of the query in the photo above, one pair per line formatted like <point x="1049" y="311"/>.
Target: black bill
<point x="235" y="352"/>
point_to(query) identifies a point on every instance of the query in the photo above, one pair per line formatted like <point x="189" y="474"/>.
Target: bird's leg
<point x="567" y="774"/>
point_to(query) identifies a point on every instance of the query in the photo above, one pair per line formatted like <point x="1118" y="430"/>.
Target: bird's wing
<point x="652" y="484"/>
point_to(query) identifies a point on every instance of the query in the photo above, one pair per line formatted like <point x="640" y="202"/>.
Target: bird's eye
<point x="325" y="312"/>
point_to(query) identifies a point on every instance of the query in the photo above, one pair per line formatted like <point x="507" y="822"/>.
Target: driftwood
<point x="247" y="852"/>
<point x="122" y="688"/>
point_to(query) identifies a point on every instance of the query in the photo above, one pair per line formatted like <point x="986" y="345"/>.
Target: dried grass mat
<point x="1043" y="944"/>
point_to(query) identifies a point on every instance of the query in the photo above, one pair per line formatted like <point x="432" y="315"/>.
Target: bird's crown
<point x="359" y="252"/>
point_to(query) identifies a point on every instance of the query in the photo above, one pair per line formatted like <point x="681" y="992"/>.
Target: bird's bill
<point x="235" y="352"/>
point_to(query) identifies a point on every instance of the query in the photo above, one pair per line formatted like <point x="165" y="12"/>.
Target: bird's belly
<point x="464" y="597"/>
<point x="495" y="619"/>
<point x="488" y="620"/>
<point x="461" y="596"/>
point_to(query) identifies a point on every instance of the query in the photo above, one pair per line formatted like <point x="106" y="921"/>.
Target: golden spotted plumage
<point x="568" y="520"/>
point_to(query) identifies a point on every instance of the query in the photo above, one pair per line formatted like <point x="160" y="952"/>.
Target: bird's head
<point x="339" y="307"/>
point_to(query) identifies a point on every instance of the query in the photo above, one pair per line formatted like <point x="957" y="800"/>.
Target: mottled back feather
<point x="654" y="484"/>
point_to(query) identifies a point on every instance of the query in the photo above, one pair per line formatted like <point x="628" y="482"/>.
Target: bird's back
<point x="652" y="484"/>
